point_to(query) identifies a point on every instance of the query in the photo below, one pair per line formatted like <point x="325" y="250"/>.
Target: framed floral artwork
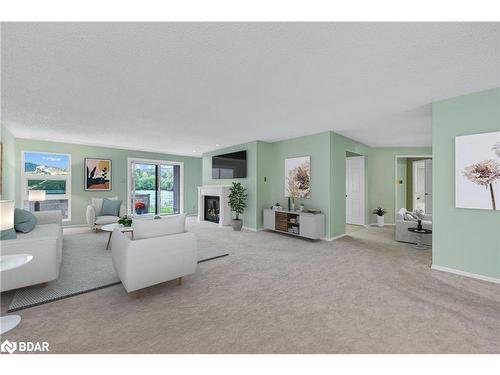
<point x="298" y="177"/>
<point x="477" y="171"/>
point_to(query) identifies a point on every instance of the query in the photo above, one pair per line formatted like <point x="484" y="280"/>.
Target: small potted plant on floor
<point x="380" y="212"/>
<point x="237" y="202"/>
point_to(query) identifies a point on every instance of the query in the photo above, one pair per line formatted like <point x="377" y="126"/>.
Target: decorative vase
<point x="380" y="221"/>
<point x="419" y="225"/>
<point x="292" y="206"/>
<point x="237" y="224"/>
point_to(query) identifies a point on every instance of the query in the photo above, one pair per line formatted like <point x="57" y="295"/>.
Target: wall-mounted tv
<point x="233" y="165"/>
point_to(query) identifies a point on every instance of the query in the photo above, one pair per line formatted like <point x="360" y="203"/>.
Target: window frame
<point x="25" y="177"/>
<point x="130" y="161"/>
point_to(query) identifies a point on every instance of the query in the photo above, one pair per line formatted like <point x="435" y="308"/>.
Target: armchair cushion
<point x="106" y="219"/>
<point x="8" y="234"/>
<point x="147" y="228"/>
<point x="110" y="207"/>
<point x="24" y="221"/>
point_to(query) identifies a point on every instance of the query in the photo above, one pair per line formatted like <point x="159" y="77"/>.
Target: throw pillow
<point x="8" y="234"/>
<point x="110" y="207"/>
<point x="24" y="221"/>
<point x="97" y="203"/>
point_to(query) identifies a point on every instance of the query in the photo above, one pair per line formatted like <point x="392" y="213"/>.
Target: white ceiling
<point x="179" y="87"/>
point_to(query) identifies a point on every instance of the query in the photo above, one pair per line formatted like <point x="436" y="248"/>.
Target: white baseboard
<point x="385" y="225"/>
<point x="334" y="238"/>
<point x="252" y="229"/>
<point x="466" y="274"/>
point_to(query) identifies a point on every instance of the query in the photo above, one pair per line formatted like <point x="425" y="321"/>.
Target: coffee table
<point x="419" y="234"/>
<point x="111" y="227"/>
<point x="7" y="263"/>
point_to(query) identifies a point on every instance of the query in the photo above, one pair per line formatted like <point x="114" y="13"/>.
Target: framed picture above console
<point x="298" y="177"/>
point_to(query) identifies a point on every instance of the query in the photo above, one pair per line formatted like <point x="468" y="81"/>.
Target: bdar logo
<point x="9" y="347"/>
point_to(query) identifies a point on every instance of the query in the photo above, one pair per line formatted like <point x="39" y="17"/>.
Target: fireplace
<point x="212" y="208"/>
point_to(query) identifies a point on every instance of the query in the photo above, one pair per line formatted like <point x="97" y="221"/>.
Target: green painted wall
<point x="80" y="198"/>
<point x="328" y="150"/>
<point x="475" y="244"/>
<point x="381" y="177"/>
<point x="250" y="182"/>
<point x="317" y="146"/>
<point x="340" y="146"/>
<point x="264" y="176"/>
<point x="401" y="187"/>
<point x="10" y="158"/>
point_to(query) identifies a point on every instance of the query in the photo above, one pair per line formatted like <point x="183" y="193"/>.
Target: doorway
<point x="413" y="183"/>
<point x="355" y="191"/>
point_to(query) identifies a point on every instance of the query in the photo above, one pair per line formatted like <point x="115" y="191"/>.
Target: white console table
<point x="302" y="224"/>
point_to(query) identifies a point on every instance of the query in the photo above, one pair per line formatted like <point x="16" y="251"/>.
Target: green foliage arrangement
<point x="379" y="211"/>
<point x="237" y="199"/>
<point x="125" y="221"/>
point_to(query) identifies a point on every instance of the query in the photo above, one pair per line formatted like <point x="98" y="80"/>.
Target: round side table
<point x="7" y="263"/>
<point x="419" y="234"/>
<point x="111" y="227"/>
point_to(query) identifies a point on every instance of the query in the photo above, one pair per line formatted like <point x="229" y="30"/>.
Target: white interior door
<point x="428" y="186"/>
<point x="355" y="190"/>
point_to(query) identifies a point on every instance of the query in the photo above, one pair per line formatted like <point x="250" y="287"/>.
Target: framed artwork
<point x="1" y="172"/>
<point x="477" y="171"/>
<point x="97" y="174"/>
<point x="298" y="177"/>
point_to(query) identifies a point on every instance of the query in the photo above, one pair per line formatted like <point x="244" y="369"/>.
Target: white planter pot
<point x="380" y="221"/>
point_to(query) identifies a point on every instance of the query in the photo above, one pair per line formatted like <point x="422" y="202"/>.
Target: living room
<point x="329" y="218"/>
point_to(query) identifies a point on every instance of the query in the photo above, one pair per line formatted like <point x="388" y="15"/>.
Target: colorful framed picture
<point x="97" y="174"/>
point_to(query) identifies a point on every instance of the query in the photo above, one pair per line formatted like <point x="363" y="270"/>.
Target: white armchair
<point x="94" y="218"/>
<point x="161" y="251"/>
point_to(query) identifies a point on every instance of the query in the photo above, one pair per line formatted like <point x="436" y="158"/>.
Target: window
<point x="155" y="187"/>
<point x="49" y="172"/>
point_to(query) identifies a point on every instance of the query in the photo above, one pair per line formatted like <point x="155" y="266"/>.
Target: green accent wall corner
<point x="466" y="240"/>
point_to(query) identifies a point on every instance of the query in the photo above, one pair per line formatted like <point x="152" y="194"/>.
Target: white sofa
<point x="161" y="250"/>
<point x="402" y="225"/>
<point x="45" y="243"/>
<point x="94" y="218"/>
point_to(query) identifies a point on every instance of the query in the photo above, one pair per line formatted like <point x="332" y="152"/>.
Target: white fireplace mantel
<point x="221" y="191"/>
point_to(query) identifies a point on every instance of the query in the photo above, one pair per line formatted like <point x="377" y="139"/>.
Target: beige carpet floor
<point x="364" y="293"/>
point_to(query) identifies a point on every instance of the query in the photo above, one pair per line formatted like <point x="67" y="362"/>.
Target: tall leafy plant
<point x="237" y="199"/>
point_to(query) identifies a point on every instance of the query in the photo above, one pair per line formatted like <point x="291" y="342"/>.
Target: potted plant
<point x="380" y="212"/>
<point x="125" y="221"/>
<point x="419" y="214"/>
<point x="140" y="208"/>
<point x="237" y="202"/>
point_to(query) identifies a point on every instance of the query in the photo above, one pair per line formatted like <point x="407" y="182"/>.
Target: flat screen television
<point x="233" y="165"/>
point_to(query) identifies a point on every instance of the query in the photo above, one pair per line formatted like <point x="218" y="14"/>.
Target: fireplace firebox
<point x="212" y="208"/>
